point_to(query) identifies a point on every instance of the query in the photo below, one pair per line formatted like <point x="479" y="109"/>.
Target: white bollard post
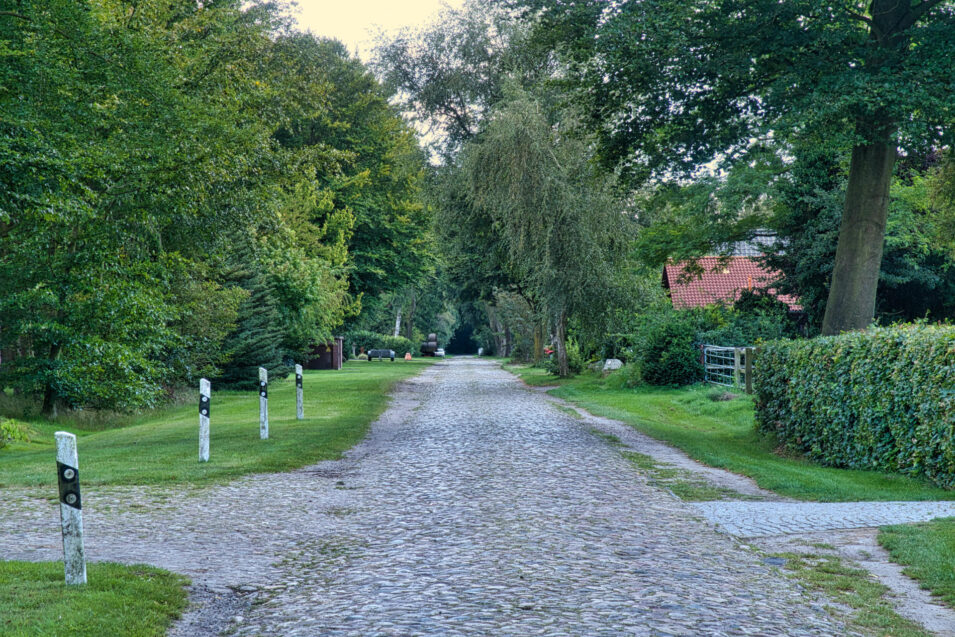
<point x="263" y="403"/>
<point x="71" y="511"/>
<point x="299" y="394"/>
<point x="205" y="397"/>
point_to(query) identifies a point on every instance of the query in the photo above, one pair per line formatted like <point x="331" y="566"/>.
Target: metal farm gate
<point x="728" y="366"/>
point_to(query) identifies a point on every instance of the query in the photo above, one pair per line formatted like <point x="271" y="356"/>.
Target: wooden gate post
<point x="749" y="370"/>
<point x="737" y="364"/>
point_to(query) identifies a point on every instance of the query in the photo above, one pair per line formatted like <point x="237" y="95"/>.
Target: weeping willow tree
<point x="556" y="213"/>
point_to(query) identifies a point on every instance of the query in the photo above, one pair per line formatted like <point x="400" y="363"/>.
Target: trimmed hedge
<point x="881" y="399"/>
<point x="371" y="340"/>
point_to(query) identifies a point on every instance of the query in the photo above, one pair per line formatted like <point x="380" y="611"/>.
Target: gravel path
<point x="474" y="508"/>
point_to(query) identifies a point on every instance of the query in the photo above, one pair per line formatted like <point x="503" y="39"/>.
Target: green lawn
<point x="927" y="551"/>
<point x="162" y="446"/>
<point x="135" y="601"/>
<point x="721" y="434"/>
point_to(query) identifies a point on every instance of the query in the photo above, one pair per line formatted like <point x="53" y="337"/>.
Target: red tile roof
<point x="722" y="281"/>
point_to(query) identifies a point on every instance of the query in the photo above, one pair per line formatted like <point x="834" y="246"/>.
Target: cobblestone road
<point x="763" y="519"/>
<point x="474" y="508"/>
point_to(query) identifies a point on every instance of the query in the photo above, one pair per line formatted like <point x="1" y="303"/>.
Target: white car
<point x="439" y="351"/>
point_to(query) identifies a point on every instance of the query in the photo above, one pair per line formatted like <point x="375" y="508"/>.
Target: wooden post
<point x="71" y="508"/>
<point x="205" y="397"/>
<point x="736" y="365"/>
<point x="749" y="370"/>
<point x="299" y="394"/>
<point x="263" y="403"/>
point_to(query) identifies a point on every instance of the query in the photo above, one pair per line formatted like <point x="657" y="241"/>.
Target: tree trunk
<point x="49" y="393"/>
<point x="563" y="369"/>
<point x="398" y="322"/>
<point x="538" y="342"/>
<point x="409" y="320"/>
<point x="855" y="275"/>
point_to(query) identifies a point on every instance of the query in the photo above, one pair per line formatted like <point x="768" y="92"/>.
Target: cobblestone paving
<point x="474" y="508"/>
<point x="762" y="519"/>
<point x="490" y="513"/>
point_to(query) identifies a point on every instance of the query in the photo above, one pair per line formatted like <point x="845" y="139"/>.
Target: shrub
<point x="12" y="431"/>
<point x="882" y="399"/>
<point x="670" y="356"/>
<point x="371" y="340"/>
<point x="575" y="359"/>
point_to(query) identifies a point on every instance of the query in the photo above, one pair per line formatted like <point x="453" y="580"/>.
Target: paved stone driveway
<point x="764" y="519"/>
<point x="474" y="508"/>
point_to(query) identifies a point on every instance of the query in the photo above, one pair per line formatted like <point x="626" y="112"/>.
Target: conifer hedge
<point x="882" y="399"/>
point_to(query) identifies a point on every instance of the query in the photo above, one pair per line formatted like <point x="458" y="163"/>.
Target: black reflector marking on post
<point x="69" y="482"/>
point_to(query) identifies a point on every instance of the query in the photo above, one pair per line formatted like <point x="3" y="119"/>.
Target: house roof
<point x="722" y="281"/>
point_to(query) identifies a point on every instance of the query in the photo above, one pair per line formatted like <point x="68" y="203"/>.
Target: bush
<point x="882" y="399"/>
<point x="669" y="354"/>
<point x="12" y="431"/>
<point x="575" y="359"/>
<point x="371" y="340"/>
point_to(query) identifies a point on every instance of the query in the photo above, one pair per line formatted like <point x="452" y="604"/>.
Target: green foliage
<point x="672" y="88"/>
<point x="208" y="312"/>
<point x="13" y="431"/>
<point x="154" y="152"/>
<point x="667" y="349"/>
<point x="377" y="175"/>
<point x="451" y="73"/>
<point x="257" y="340"/>
<point x="371" y="340"/>
<point x="575" y="360"/>
<point x="882" y="399"/>
<point x="559" y="218"/>
<point x="800" y="67"/>
<point x="754" y="318"/>
<point x="665" y="342"/>
<point x="918" y="266"/>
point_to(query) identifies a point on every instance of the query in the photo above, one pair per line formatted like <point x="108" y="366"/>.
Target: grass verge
<point x="139" y="601"/>
<point x="927" y="551"/>
<point x="162" y="446"/>
<point x="721" y="433"/>
<point x="855" y="589"/>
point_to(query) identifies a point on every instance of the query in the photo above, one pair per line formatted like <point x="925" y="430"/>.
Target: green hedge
<point x="881" y="399"/>
<point x="371" y="340"/>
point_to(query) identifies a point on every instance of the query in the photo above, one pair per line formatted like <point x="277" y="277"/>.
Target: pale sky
<point x="355" y="22"/>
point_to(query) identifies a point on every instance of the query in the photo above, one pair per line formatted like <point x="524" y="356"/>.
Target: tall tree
<point x="671" y="85"/>
<point x="562" y="225"/>
<point x="379" y="171"/>
<point x="449" y="74"/>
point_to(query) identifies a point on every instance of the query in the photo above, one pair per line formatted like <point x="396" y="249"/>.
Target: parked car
<point x="439" y="351"/>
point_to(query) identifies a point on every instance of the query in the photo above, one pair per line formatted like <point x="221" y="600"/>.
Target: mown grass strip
<point x="138" y="601"/>
<point x="927" y="551"/>
<point x="721" y="433"/>
<point x="162" y="446"/>
<point x="855" y="588"/>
